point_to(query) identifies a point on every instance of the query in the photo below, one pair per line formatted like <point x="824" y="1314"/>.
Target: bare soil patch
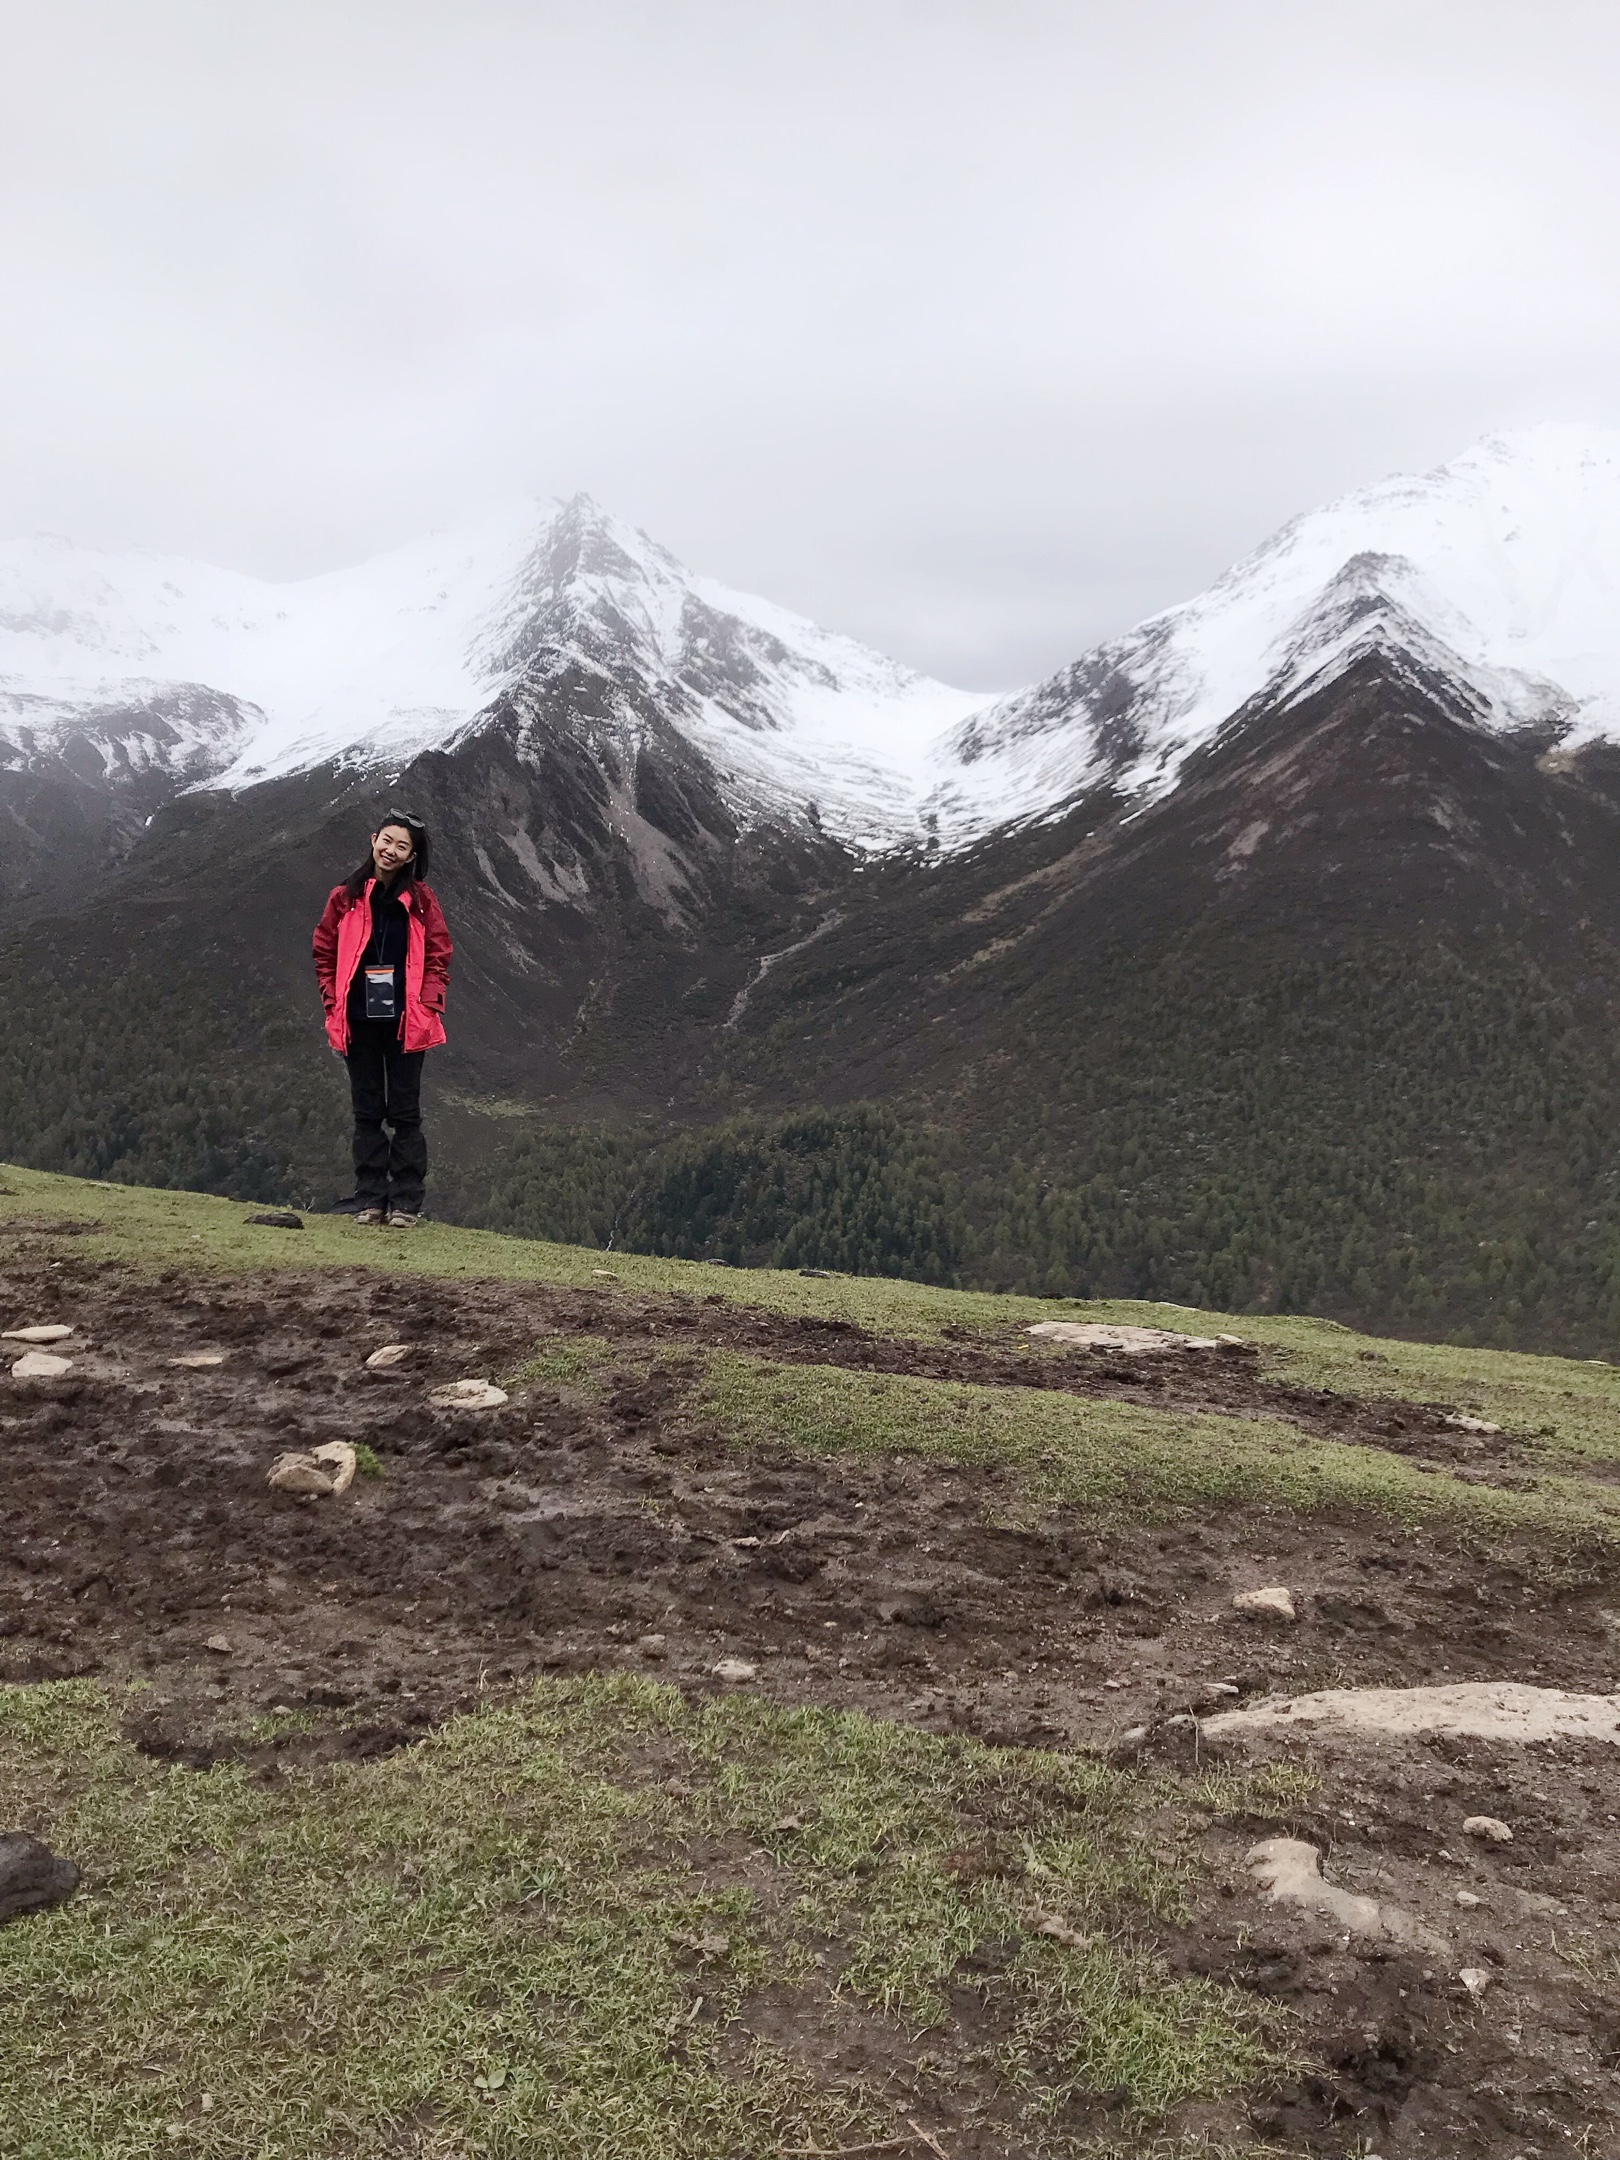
<point x="138" y="1530"/>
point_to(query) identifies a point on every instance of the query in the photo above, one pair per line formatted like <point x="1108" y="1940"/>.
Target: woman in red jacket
<point x="382" y="957"/>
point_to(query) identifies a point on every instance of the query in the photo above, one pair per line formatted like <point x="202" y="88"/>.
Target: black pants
<point x="386" y="1084"/>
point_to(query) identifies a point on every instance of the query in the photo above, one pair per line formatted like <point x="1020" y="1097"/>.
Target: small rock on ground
<point x="46" y="1331"/>
<point x="40" y="1365"/>
<point x="468" y="1395"/>
<point x="1274" y="1603"/>
<point x="32" y="1877"/>
<point x="391" y="1353"/>
<point x="321" y="1472"/>
<point x="1488" y="1828"/>
<point x="735" y="1670"/>
<point x="278" y="1219"/>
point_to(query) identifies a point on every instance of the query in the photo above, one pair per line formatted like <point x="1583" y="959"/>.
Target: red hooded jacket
<point x="342" y="935"/>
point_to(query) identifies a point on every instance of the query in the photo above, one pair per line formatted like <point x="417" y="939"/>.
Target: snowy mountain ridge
<point x="1500" y="570"/>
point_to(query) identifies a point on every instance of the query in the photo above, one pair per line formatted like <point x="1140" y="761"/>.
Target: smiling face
<point x="391" y="849"/>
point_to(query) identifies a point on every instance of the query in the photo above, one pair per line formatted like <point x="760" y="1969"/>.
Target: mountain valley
<point x="1266" y="957"/>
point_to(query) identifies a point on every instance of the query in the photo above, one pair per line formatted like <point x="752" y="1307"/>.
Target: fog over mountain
<point x="978" y="333"/>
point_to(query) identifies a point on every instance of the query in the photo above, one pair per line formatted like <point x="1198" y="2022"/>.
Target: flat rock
<point x="40" y="1365"/>
<point x="1290" y="1873"/>
<point x="47" y="1331"/>
<point x="199" y="1360"/>
<point x="1092" y="1335"/>
<point x="1468" y="1709"/>
<point x="735" y="1670"/>
<point x="1472" y="1424"/>
<point x="1275" y="1603"/>
<point x="468" y="1395"/>
<point x="319" y="1472"/>
<point x="278" y="1219"/>
<point x="391" y="1353"/>
<point x="32" y="1877"/>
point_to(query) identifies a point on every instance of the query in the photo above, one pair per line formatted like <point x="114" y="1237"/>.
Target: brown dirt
<point x="550" y="1536"/>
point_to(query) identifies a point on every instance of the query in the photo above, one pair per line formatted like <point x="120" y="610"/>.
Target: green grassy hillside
<point x="600" y="1917"/>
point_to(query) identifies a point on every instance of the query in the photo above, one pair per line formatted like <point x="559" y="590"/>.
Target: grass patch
<point x="539" y="1931"/>
<point x="1126" y="1462"/>
<point x="581" y="1365"/>
<point x="1567" y="1410"/>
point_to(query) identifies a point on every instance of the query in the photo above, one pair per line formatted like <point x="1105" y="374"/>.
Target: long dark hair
<point x="355" y="884"/>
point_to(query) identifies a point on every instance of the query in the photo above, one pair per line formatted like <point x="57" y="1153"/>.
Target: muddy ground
<point x="139" y="1537"/>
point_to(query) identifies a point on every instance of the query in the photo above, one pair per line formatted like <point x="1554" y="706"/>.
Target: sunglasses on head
<point x="411" y="824"/>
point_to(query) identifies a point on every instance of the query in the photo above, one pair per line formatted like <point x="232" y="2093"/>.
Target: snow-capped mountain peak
<point x="1499" y="571"/>
<point x="410" y="651"/>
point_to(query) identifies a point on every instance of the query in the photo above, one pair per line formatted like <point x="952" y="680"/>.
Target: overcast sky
<point x="978" y="328"/>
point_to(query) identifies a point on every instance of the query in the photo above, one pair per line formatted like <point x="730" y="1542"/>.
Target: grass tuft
<point x="542" y="1931"/>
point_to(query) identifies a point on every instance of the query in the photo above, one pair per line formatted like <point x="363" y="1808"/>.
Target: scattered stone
<point x="1273" y="1604"/>
<point x="815" y="1274"/>
<point x="1054" y="1925"/>
<point x="1467" y="1900"/>
<point x="219" y="1644"/>
<point x="709" y="1944"/>
<point x="1224" y="1688"/>
<point x="1471" y="1424"/>
<point x="605" y="1274"/>
<point x="1091" y="1335"/>
<point x="1475" y="1979"/>
<point x="50" y="1331"/>
<point x="391" y="1353"/>
<point x="278" y="1219"/>
<point x="1133" y="1735"/>
<point x="40" y="1365"/>
<point x="734" y="1670"/>
<point x="32" y="1877"/>
<point x="1470" y="1709"/>
<point x="650" y="1645"/>
<point x="468" y="1395"/>
<point x="1489" y="1829"/>
<point x="787" y="1823"/>
<point x="320" y="1473"/>
<point x="1290" y="1872"/>
<point x="200" y="1360"/>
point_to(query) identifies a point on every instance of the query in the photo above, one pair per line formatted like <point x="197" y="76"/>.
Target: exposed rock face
<point x="1469" y="1709"/>
<point x="1290" y="1871"/>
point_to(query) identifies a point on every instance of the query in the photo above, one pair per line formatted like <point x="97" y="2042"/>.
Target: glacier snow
<point x="1501" y="567"/>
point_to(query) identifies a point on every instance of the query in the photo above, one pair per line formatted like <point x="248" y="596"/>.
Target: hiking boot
<point x="372" y="1218"/>
<point x="400" y="1221"/>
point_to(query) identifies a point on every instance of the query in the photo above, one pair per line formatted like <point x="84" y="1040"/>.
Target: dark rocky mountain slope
<point x="1329" y="1023"/>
